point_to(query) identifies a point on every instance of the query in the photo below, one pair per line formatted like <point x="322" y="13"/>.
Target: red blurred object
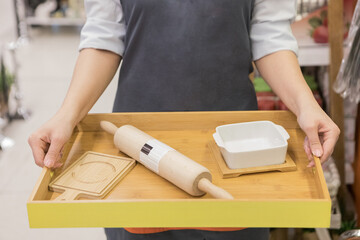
<point x="281" y="105"/>
<point x="325" y="22"/>
<point x="266" y="100"/>
<point x="318" y="98"/>
<point x="321" y="34"/>
<point x="318" y="22"/>
<point x="269" y="101"/>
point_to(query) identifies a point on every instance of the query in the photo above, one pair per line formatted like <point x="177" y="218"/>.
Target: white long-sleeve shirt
<point x="269" y="31"/>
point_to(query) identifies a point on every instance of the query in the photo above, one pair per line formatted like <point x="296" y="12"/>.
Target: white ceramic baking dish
<point x="252" y="144"/>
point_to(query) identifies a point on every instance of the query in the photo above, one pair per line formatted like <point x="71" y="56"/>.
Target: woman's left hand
<point x="321" y="133"/>
<point x="282" y="72"/>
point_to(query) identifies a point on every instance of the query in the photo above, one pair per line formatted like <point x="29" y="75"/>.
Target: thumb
<point x="314" y="141"/>
<point x="53" y="153"/>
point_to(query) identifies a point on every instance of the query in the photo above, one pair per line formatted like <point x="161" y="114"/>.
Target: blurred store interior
<point x="39" y="42"/>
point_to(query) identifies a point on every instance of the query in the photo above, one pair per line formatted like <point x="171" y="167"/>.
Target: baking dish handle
<point x="218" y="140"/>
<point x="283" y="132"/>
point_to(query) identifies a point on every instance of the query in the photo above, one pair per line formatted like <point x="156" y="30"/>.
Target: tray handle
<point x="282" y="131"/>
<point x="218" y="140"/>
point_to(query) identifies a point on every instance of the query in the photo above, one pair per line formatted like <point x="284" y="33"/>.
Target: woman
<point x="186" y="55"/>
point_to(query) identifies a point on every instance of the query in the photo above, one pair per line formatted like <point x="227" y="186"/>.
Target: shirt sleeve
<point x="270" y="29"/>
<point x="104" y="27"/>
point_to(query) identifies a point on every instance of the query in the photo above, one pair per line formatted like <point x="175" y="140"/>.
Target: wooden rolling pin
<point x="180" y="170"/>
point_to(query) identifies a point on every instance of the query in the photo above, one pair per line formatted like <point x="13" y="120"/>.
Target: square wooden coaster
<point x="226" y="172"/>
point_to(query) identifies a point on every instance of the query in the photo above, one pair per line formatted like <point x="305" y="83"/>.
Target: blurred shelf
<point x="55" y="21"/>
<point x="310" y="53"/>
<point x="316" y="55"/>
<point x="335" y="222"/>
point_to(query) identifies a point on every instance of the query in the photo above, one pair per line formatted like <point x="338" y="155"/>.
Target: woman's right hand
<point x="48" y="141"/>
<point x="93" y="72"/>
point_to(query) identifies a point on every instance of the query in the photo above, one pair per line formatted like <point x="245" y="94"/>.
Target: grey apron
<point x="186" y="55"/>
<point x="246" y="234"/>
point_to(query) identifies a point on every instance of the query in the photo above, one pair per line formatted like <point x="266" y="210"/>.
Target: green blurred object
<point x="310" y="80"/>
<point x="347" y="225"/>
<point x="261" y="86"/>
<point x="315" y="22"/>
<point x="9" y="80"/>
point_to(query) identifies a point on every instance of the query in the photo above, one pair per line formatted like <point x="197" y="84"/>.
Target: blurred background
<point x="38" y="48"/>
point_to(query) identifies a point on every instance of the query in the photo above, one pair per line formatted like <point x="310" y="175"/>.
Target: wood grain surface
<point x="190" y="133"/>
<point x="185" y="121"/>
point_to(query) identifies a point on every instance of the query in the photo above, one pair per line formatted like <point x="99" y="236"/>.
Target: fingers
<point x="321" y="134"/>
<point x="39" y="148"/>
<point x="47" y="152"/>
<point x="312" y="134"/>
<point x="48" y="141"/>
<point x="308" y="152"/>
<point x="327" y="141"/>
<point x="58" y="162"/>
<point x="330" y="140"/>
<point x="307" y="148"/>
<point x="53" y="156"/>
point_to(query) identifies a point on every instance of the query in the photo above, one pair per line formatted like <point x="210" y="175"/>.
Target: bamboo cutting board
<point x="93" y="175"/>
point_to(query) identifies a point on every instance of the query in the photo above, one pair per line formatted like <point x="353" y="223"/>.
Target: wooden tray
<point x="143" y="199"/>
<point x="226" y="172"/>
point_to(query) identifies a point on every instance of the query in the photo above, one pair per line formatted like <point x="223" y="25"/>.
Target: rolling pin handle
<point x="206" y="186"/>
<point x="108" y="127"/>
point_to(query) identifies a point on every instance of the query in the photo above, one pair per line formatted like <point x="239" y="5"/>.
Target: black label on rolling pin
<point x="146" y="149"/>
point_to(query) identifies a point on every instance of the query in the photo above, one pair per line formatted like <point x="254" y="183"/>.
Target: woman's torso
<point x="186" y="55"/>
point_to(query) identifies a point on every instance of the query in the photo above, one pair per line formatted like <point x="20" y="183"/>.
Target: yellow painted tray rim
<point x="180" y="214"/>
